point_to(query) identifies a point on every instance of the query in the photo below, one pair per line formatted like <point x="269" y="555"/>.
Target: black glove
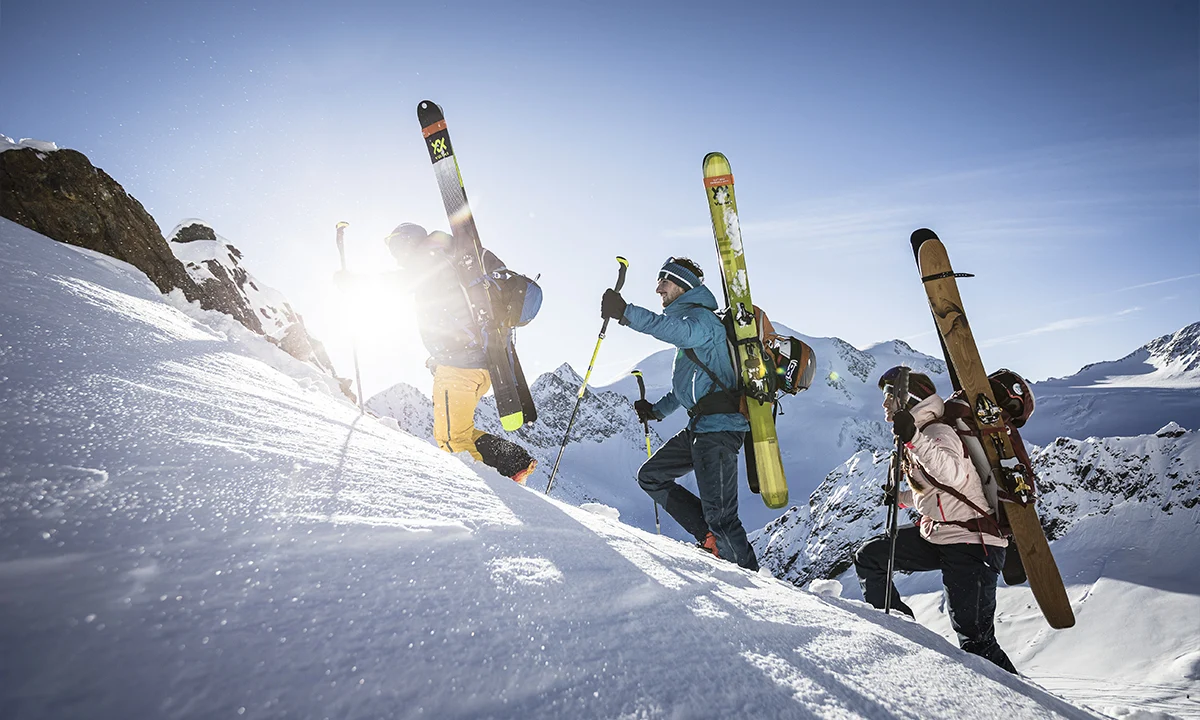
<point x="645" y="410"/>
<point x="903" y="426"/>
<point x="612" y="305"/>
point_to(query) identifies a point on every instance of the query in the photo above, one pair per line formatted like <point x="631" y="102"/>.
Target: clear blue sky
<point x="1055" y="147"/>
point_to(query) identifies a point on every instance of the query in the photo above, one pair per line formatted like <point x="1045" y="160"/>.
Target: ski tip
<point x="342" y="224"/>
<point x="512" y="422"/>
<point x="636" y="372"/>
<point x="919" y="237"/>
<point x="623" y="261"/>
<point x="716" y="165"/>
<point x="429" y="112"/>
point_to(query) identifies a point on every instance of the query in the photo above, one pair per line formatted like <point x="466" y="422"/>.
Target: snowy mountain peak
<point x="1171" y="429"/>
<point x="566" y="373"/>
<point x="1179" y="351"/>
<point x="858" y="363"/>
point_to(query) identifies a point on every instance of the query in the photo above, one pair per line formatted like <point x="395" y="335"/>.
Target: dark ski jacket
<point x="690" y="322"/>
<point x="447" y="326"/>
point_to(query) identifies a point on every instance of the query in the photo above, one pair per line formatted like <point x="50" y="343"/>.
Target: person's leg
<point x="657" y="477"/>
<point x="969" y="574"/>
<point x="913" y="554"/>
<point x="456" y="392"/>
<point x="715" y="456"/>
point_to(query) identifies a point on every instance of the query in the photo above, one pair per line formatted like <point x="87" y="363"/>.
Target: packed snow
<point x="193" y="527"/>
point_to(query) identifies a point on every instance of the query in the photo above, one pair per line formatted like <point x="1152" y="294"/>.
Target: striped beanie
<point x="680" y="275"/>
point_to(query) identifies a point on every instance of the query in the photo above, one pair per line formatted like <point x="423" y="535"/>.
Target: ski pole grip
<point x="621" y="273"/>
<point x="341" y="227"/>
<point x="641" y="383"/>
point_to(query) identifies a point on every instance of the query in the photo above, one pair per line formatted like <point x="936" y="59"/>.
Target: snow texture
<point x="7" y="143"/>
<point x="190" y="532"/>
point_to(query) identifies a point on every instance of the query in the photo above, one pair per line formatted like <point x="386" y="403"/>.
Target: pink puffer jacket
<point x="937" y="451"/>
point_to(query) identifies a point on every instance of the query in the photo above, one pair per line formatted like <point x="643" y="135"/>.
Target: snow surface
<point x="189" y="531"/>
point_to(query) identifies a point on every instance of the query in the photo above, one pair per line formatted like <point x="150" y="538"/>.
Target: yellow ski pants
<point x="456" y="392"/>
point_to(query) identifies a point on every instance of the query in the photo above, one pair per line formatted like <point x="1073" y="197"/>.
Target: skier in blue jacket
<point x="710" y="443"/>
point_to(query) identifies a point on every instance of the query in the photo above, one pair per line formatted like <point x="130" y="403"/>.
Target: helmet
<point x="1013" y="395"/>
<point x="919" y="384"/>
<point x="404" y="239"/>
<point x="439" y="240"/>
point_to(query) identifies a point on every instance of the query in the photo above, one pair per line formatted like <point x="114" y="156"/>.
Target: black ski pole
<point x="624" y="265"/>
<point x="646" y="426"/>
<point x="341" y="246"/>
<point x="900" y="399"/>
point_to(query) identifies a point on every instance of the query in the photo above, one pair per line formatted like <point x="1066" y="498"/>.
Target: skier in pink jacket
<point x="953" y="536"/>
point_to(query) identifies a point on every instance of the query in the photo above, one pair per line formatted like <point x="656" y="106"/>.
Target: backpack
<point x="959" y="416"/>
<point x="520" y="298"/>
<point x="790" y="367"/>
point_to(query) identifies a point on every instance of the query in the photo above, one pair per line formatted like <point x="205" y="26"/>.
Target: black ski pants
<point x="713" y="457"/>
<point x="969" y="575"/>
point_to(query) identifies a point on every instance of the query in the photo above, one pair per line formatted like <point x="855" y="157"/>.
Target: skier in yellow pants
<point x="457" y="358"/>
<point x="456" y="393"/>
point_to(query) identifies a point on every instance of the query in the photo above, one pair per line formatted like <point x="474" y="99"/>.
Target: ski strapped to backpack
<point x="791" y="365"/>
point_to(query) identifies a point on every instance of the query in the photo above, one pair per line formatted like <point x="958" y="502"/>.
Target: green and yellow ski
<point x="764" y="445"/>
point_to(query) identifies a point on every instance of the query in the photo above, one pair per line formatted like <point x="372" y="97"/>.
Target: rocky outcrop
<point x="63" y="196"/>
<point x="216" y="266"/>
<point x="60" y="194"/>
<point x="214" y="276"/>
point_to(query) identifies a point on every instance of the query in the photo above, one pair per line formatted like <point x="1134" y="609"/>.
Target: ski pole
<point x="624" y="265"/>
<point x="341" y="246"/>
<point x="900" y="398"/>
<point x="646" y="426"/>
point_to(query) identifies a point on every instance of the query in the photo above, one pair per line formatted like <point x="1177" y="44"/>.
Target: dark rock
<point x="63" y="196"/>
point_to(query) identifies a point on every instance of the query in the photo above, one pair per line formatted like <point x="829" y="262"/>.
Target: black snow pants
<point x="969" y="575"/>
<point x="713" y="456"/>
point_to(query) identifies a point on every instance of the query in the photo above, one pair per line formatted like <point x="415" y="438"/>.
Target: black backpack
<point x="790" y="367"/>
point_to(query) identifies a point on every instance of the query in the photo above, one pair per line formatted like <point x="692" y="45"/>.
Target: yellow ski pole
<point x="624" y="265"/>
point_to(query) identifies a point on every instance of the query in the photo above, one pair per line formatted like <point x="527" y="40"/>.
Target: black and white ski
<point x="514" y="402"/>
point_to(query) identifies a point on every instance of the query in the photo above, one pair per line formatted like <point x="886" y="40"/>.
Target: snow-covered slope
<point x="1156" y="384"/>
<point x="188" y="532"/>
<point x="1124" y="514"/>
<point x="600" y="463"/>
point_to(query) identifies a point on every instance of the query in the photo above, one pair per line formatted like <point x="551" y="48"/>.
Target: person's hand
<point x="645" y="410"/>
<point x="612" y="305"/>
<point x="903" y="426"/>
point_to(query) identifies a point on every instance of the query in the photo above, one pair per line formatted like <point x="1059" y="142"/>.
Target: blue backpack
<point x="520" y="298"/>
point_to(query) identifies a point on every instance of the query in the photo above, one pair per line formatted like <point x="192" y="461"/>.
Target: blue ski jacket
<point x="691" y="323"/>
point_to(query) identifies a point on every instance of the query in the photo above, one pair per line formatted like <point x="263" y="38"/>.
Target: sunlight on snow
<point x="170" y="324"/>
